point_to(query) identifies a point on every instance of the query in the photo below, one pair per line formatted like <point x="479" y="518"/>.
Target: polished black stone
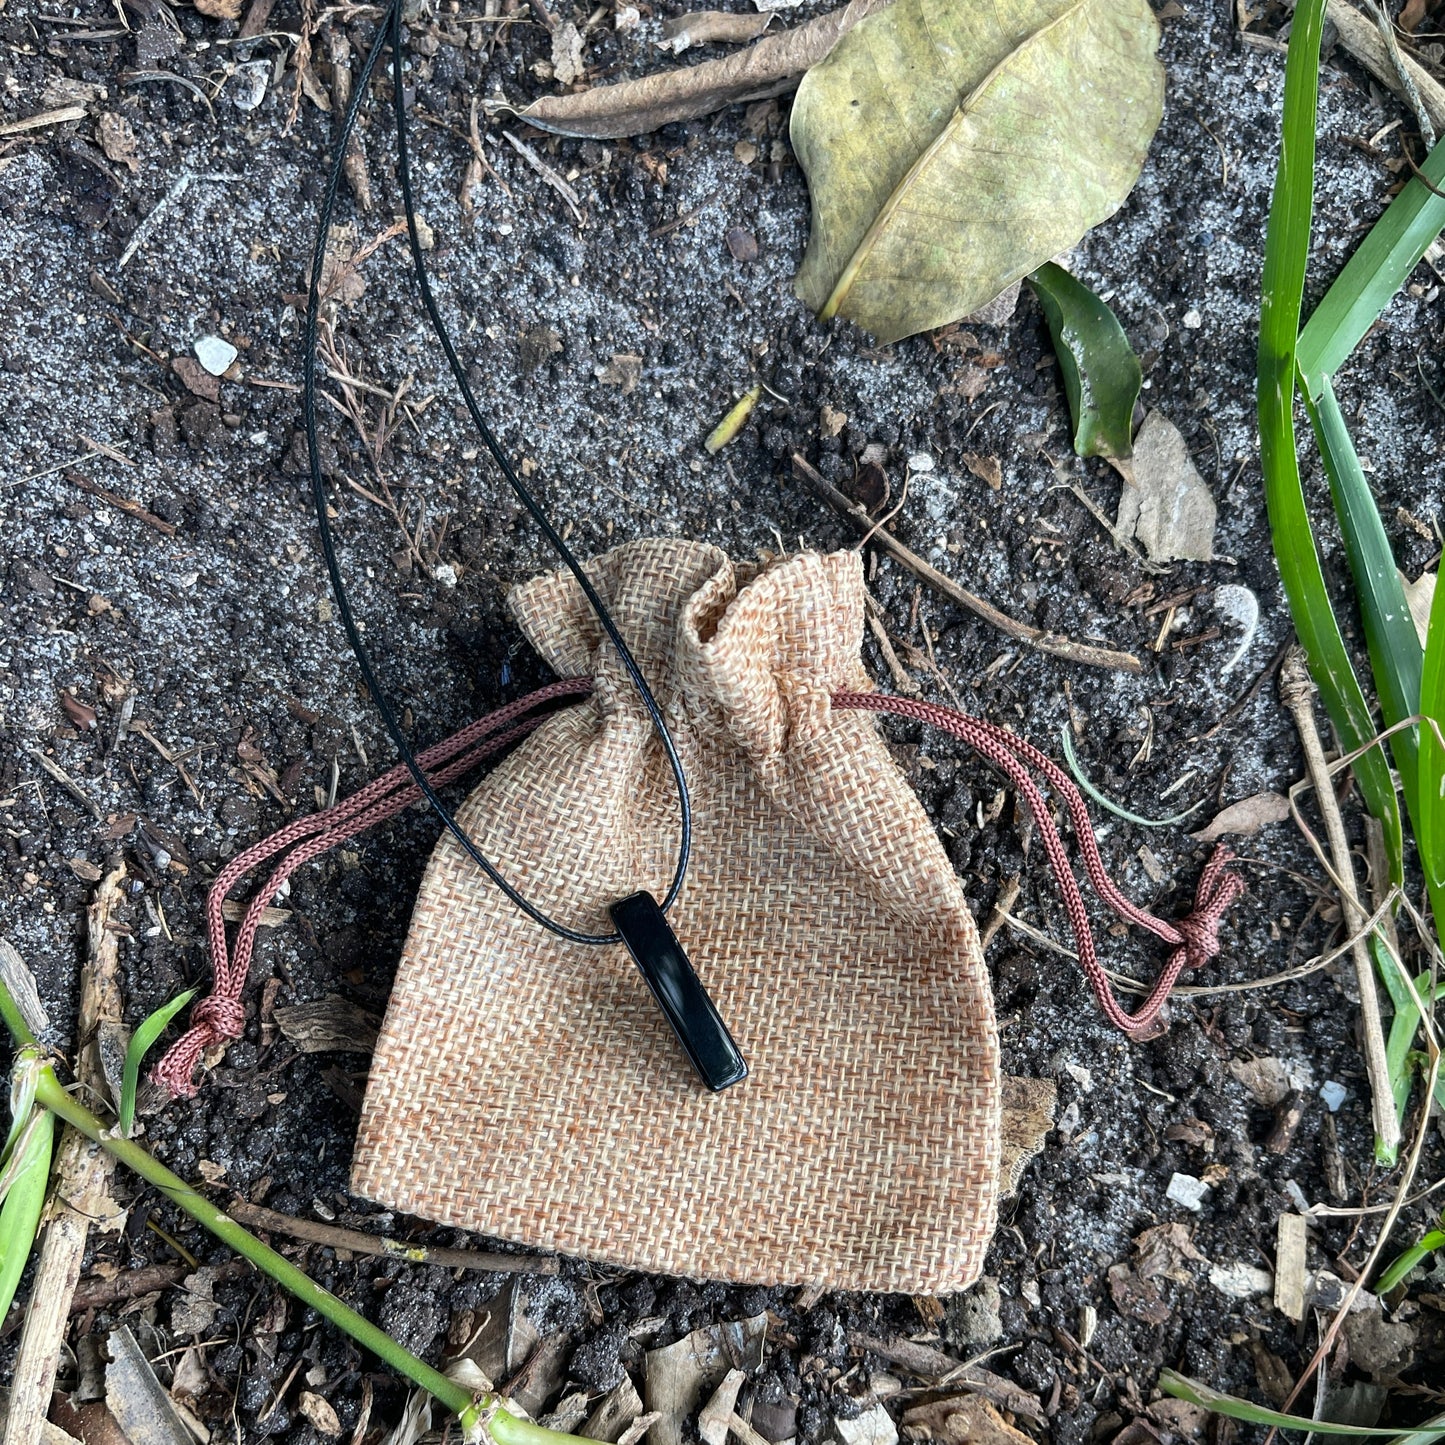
<point x="679" y="992"/>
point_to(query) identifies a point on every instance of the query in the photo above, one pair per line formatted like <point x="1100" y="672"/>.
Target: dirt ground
<point x="202" y="636"/>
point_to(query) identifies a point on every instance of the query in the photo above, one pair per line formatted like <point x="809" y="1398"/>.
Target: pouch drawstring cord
<point x="1195" y="938"/>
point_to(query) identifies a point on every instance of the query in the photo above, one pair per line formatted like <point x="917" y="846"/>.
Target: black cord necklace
<point x="391" y="32"/>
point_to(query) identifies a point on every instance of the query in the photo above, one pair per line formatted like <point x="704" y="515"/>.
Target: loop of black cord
<point x="392" y="32"/>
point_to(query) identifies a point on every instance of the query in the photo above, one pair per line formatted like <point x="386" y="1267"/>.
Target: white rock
<point x="444" y="573"/>
<point x="1240" y="1281"/>
<point x="1333" y="1094"/>
<point x="920" y="462"/>
<point x="1192" y="319"/>
<point x="872" y="1427"/>
<point x="215" y="354"/>
<point x="1186" y="1190"/>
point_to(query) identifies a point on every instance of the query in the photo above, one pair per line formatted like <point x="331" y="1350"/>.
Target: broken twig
<point x="359" y="1242"/>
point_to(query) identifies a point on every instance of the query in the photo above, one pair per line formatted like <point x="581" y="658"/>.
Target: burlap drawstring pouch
<point x="529" y="1089"/>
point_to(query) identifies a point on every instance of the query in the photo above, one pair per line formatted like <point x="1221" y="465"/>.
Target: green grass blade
<point x="1183" y="1388"/>
<point x="1285" y="256"/>
<point x="1374" y="274"/>
<point x="1395" y="654"/>
<point x="24" y="1199"/>
<point x="1428" y="805"/>
<point x="1101" y="373"/>
<point x="141" y="1043"/>
<point x="1401" y="1266"/>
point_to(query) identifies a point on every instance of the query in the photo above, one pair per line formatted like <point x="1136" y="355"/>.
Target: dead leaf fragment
<point x="766" y="68"/>
<point x="986" y="469"/>
<point x="1165" y="504"/>
<point x="1246" y="817"/>
<point x="319" y="1412"/>
<point x="624" y="370"/>
<point x="707" y="27"/>
<point x="1420" y="596"/>
<point x="196" y="379"/>
<point x="220" y="9"/>
<point x="117" y="140"/>
<point x="567" y="61"/>
<point x="871" y="1427"/>
<point x="137" y="1399"/>
<point x="679" y="1374"/>
<point x="1027" y="1115"/>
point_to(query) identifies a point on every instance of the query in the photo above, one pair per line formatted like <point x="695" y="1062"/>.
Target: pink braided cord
<point x="221" y="1016"/>
<point x="1195" y="937"/>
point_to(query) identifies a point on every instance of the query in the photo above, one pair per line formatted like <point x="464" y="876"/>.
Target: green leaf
<point x="1374" y="274"/>
<point x="1183" y="1388"/>
<point x="952" y="146"/>
<point x="1399" y="1267"/>
<point x="1395" y="653"/>
<point x="140" y="1045"/>
<point x="27" y="1175"/>
<point x="1285" y="256"/>
<point x="1101" y="373"/>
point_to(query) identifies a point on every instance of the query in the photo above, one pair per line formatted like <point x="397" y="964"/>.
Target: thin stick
<point x="1049" y="642"/>
<point x="359" y="1242"/>
<point x="1297" y="692"/>
<point x="81" y="1194"/>
<point x="65" y="781"/>
<point x="1359" y="36"/>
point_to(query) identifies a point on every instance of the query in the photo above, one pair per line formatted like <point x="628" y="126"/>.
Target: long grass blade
<point x="28" y="1173"/>
<point x="141" y="1043"/>
<point x="1374" y="274"/>
<point x="1183" y="1388"/>
<point x="1395" y="654"/>
<point x="1285" y="256"/>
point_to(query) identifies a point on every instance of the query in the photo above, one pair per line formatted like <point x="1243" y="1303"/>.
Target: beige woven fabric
<point x="530" y="1089"/>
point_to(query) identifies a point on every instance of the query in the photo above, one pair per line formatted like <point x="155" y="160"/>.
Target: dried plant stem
<point x="359" y="1242"/>
<point x="1297" y="692"/>
<point x="880" y="536"/>
<point x="80" y="1195"/>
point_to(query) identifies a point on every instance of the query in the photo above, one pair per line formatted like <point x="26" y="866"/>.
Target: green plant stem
<point x="504" y="1427"/>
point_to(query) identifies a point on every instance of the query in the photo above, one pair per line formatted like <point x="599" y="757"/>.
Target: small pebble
<point x="1193" y="320"/>
<point x="215" y="354"/>
<point x="1334" y="1095"/>
<point x="444" y="573"/>
<point x="1186" y="1190"/>
<point x="920" y="462"/>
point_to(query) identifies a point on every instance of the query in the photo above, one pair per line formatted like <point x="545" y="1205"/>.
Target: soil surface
<point x="182" y="665"/>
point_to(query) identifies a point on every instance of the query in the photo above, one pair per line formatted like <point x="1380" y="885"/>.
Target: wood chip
<point x="44" y="118"/>
<point x="678" y="1375"/>
<point x="614" y="1413"/>
<point x="1289" y="1266"/>
<point x="137" y="1399"/>
<point x="714" y="1421"/>
<point x="961" y="1420"/>
<point x="334" y="1025"/>
<point x="320" y="1413"/>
